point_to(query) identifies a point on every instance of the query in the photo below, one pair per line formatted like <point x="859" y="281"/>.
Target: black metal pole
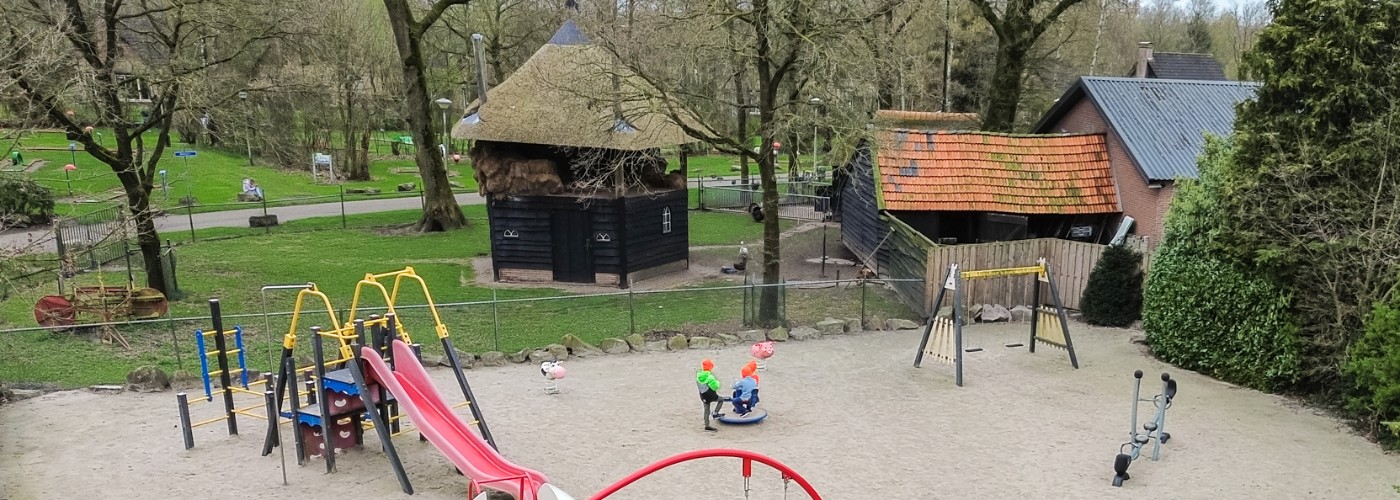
<point x="958" y="299"/>
<point x="467" y="392"/>
<point x="928" y="328"/>
<point x="273" y="439"/>
<point x="1035" y="308"/>
<point x="381" y="426"/>
<point x="185" y="427"/>
<point x="266" y="226"/>
<point x="295" y="399"/>
<point x="327" y="432"/>
<point x="342" y="207"/>
<point x="189" y="211"/>
<point x="214" y="312"/>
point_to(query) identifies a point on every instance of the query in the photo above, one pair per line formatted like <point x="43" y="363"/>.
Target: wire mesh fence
<point x="800" y="200"/>
<point x="510" y="321"/>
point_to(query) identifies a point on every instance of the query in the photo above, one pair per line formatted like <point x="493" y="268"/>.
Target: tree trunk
<point x="356" y="166"/>
<point x="138" y="200"/>
<point x="768" y="314"/>
<point x="440" y="209"/>
<point x="1006" y="86"/>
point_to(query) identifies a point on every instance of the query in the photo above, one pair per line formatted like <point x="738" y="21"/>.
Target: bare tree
<point x="440" y="209"/>
<point x="175" y="48"/>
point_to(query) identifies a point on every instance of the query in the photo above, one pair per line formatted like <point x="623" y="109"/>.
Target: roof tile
<point x="974" y="171"/>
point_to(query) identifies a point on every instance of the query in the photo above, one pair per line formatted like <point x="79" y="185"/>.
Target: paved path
<point x="41" y="240"/>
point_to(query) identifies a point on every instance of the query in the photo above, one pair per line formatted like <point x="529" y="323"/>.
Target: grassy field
<point x="235" y="269"/>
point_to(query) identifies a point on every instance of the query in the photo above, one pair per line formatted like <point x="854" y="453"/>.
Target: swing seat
<point x="753" y="417"/>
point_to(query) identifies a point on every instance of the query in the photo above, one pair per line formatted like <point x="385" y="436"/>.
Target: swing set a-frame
<point x="943" y="336"/>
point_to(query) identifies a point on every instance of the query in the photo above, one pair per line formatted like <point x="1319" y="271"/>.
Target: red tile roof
<point x="984" y="172"/>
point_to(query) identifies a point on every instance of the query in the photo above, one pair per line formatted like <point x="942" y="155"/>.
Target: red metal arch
<point x="747" y="456"/>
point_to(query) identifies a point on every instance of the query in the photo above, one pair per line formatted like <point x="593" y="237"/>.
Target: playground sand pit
<point x="848" y="413"/>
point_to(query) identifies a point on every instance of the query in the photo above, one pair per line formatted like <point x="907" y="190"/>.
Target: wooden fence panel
<point x="1071" y="263"/>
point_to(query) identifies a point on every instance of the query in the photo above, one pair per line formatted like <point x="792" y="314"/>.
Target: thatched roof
<point x="564" y="96"/>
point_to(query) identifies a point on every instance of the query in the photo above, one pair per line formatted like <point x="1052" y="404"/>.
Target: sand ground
<point x="849" y="413"/>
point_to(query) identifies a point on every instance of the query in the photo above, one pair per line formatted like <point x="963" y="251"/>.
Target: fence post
<point x="862" y="303"/>
<point x="700" y="196"/>
<point x="126" y="252"/>
<point x="631" y="310"/>
<point x="179" y="360"/>
<point x="782" y="306"/>
<point x="266" y="227"/>
<point x="495" y="320"/>
<point x="342" y="206"/>
<point x="189" y="210"/>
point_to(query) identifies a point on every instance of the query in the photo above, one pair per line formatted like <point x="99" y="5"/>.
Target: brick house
<point x="1155" y="133"/>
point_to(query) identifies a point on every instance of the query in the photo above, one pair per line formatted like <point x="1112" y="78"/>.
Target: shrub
<point x="24" y="202"/>
<point x="1202" y="313"/>
<point x="1373" y="366"/>
<point x="1113" y="296"/>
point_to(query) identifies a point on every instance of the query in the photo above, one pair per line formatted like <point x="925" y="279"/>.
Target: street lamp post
<point x="248" y="137"/>
<point x="443" y="103"/>
<point x="815" y="102"/>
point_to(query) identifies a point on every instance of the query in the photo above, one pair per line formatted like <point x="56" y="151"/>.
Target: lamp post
<point x="248" y="137"/>
<point x="443" y="103"/>
<point x="66" y="169"/>
<point x="815" y="102"/>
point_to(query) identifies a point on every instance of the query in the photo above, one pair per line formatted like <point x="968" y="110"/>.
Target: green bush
<point x="1113" y="296"/>
<point x="1373" y="366"/>
<point x="1204" y="314"/>
<point x="24" y="202"/>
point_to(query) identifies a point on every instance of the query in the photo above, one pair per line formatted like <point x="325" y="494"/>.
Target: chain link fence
<point x="508" y="320"/>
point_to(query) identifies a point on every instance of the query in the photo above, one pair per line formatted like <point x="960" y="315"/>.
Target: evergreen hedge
<point x="1113" y="296"/>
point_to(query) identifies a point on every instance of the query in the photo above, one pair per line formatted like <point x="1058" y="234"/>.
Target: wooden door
<point x="571" y="235"/>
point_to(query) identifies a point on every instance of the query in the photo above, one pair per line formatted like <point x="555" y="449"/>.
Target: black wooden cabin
<point x="602" y="240"/>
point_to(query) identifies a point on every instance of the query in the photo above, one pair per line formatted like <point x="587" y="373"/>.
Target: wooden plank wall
<point x="905" y="256"/>
<point x="1070" y="263"/>
<point x="646" y="245"/>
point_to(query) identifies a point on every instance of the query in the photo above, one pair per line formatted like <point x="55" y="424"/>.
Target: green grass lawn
<point x="214" y="177"/>
<point x="234" y="269"/>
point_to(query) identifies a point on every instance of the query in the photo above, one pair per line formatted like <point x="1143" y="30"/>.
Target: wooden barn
<point x="567" y="152"/>
<point x="976" y="187"/>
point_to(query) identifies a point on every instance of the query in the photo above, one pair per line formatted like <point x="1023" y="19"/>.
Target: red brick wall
<point x="1148" y="206"/>
<point x="527" y="275"/>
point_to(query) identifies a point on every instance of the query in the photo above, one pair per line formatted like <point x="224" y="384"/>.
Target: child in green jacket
<point x="709" y="392"/>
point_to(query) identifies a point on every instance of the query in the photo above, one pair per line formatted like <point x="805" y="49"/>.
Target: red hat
<point x="707" y="365"/>
<point x="747" y="371"/>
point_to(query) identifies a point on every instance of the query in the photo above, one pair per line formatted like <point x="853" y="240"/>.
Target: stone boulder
<point x="247" y="197"/>
<point x="703" y="343"/>
<point x="992" y="313"/>
<point x="520" y="356"/>
<point x="853" y="325"/>
<point x="751" y="336"/>
<point x="727" y="339"/>
<point x="559" y="351"/>
<point x="147" y="379"/>
<point x="184" y="380"/>
<point x="831" y="326"/>
<point x="779" y="334"/>
<point x="637" y="342"/>
<point x="269" y="220"/>
<point x="655" y="346"/>
<point x="578" y="347"/>
<point x="465" y="359"/>
<point x="407" y="186"/>
<point x="678" y="343"/>
<point x="493" y="358"/>
<point x="455" y="184"/>
<point x="362" y="191"/>
<point x="900" y="324"/>
<point x="805" y="333"/>
<point x="974" y="311"/>
<point x="538" y="356"/>
<point x="875" y="323"/>
<point x="1022" y="313"/>
<point x="614" y="346"/>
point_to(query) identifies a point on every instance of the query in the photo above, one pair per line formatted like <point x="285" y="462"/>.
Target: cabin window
<point x="666" y="220"/>
<point x="510" y="233"/>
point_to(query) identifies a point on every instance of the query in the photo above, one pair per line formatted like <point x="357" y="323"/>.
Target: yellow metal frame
<point x="392" y="297"/>
<point x="1038" y="269"/>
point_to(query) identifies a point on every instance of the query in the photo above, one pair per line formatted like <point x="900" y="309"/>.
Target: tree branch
<point x="432" y="16"/>
<point x="990" y="14"/>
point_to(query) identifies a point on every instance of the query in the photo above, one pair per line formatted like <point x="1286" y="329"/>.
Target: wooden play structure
<point x="943" y="336"/>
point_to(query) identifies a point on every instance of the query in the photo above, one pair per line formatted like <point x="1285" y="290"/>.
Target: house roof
<point x="986" y="172"/>
<point x="1184" y="66"/>
<point x="565" y="95"/>
<point x="1161" y="122"/>
<point x="926" y="120"/>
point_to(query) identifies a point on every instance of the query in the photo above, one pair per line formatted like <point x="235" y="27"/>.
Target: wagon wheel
<point x="148" y="303"/>
<point x="54" y="311"/>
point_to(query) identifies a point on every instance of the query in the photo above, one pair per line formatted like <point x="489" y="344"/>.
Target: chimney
<point x="1144" y="57"/>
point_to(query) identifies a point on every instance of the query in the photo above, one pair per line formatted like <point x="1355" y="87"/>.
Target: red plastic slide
<point x="453" y="437"/>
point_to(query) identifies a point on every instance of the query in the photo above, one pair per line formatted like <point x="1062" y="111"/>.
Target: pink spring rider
<point x="762" y="351"/>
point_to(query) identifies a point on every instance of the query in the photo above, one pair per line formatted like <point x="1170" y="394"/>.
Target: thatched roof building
<point x="566" y="95"/>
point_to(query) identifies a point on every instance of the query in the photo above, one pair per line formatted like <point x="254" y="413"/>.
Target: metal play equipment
<point x="107" y="303"/>
<point x="1156" y="429"/>
<point x="1050" y="325"/>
